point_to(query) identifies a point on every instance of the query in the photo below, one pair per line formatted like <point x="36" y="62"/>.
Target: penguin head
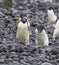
<point x="40" y="28"/>
<point x="50" y="8"/>
<point x="24" y="20"/>
<point x="23" y="17"/>
<point x="50" y="11"/>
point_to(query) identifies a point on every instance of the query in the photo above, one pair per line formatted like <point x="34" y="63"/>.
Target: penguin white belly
<point x="42" y="38"/>
<point x="39" y="39"/>
<point x="52" y="18"/>
<point x="23" y="34"/>
<point x="56" y="33"/>
<point x="57" y="24"/>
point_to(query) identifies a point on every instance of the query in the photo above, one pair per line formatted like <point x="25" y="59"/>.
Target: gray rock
<point x="36" y="63"/>
<point x="1" y="61"/>
<point x="46" y="63"/>
<point x="15" y="62"/>
<point x="2" y="15"/>
<point x="25" y="54"/>
<point x="57" y="60"/>
<point x="13" y="11"/>
<point x="5" y="11"/>
<point x="8" y="19"/>
<point x="54" y="51"/>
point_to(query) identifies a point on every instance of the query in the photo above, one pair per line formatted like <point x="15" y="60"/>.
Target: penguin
<point x="23" y="32"/>
<point x="55" y="33"/>
<point x="28" y="22"/>
<point x="51" y="16"/>
<point x="23" y="16"/>
<point x="41" y="36"/>
<point x="57" y="24"/>
<point x="56" y="30"/>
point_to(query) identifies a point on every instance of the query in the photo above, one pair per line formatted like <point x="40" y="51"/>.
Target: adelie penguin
<point x="23" y="16"/>
<point x="51" y="15"/>
<point x="56" y="33"/>
<point x="56" y="30"/>
<point x="41" y="36"/>
<point x="57" y="23"/>
<point x="23" y="32"/>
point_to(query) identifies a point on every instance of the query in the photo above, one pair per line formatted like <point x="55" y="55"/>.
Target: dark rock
<point x="39" y="50"/>
<point x="57" y="60"/>
<point x="54" y="51"/>
<point x="34" y="24"/>
<point x="4" y="49"/>
<point x="33" y="50"/>
<point x="19" y="49"/>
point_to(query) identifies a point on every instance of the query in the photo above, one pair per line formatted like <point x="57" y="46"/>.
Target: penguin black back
<point x="57" y="19"/>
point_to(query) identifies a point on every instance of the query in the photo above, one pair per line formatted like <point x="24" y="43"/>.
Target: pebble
<point x="46" y="63"/>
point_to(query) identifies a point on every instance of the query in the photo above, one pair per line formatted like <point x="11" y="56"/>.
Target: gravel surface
<point x="14" y="53"/>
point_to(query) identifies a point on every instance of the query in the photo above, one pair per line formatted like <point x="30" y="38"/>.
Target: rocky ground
<point x="14" y="53"/>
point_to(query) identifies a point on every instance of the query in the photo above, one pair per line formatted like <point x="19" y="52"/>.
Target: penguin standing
<point x="55" y="33"/>
<point x="56" y="30"/>
<point x="23" y="31"/>
<point x="57" y="23"/>
<point x="41" y="36"/>
<point x="51" y="16"/>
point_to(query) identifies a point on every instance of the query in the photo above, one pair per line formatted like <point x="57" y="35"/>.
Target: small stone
<point x="46" y="63"/>
<point x="1" y="61"/>
<point x="25" y="54"/>
<point x="54" y="51"/>
<point x="57" y="60"/>
<point x="20" y="49"/>
<point x="15" y="62"/>
<point x="1" y="15"/>
<point x="7" y="61"/>
<point x="35" y="63"/>
<point x="4" y="49"/>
